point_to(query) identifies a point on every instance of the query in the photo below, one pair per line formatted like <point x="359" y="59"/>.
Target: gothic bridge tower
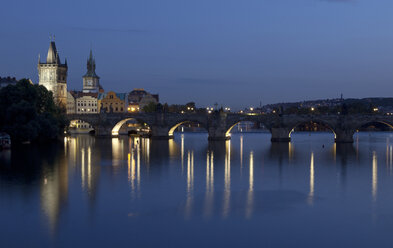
<point x="53" y="75"/>
<point x="91" y="82"/>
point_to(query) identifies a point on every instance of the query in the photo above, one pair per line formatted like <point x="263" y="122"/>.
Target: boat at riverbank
<point x="5" y="141"/>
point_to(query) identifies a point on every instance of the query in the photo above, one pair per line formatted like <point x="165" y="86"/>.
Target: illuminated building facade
<point x="86" y="103"/>
<point x="53" y="75"/>
<point x="70" y="103"/>
<point x="139" y="98"/>
<point x="112" y="102"/>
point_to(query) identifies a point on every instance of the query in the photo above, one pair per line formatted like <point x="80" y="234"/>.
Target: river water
<point x="188" y="192"/>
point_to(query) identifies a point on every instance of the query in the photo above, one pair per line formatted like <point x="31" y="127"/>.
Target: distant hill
<point x="383" y="103"/>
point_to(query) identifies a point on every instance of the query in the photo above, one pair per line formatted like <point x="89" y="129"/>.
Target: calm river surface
<point x="188" y="192"/>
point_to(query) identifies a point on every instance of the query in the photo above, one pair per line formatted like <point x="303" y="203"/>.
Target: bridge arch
<point x="310" y="121"/>
<point x="116" y="128"/>
<point x="233" y="124"/>
<point x="173" y="126"/>
<point x="366" y="123"/>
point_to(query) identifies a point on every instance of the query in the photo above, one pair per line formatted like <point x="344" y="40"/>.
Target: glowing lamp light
<point x="252" y="109"/>
<point x="312" y="108"/>
<point x="375" y="109"/>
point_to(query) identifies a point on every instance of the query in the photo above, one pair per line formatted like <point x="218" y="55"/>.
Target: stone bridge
<point x="219" y="124"/>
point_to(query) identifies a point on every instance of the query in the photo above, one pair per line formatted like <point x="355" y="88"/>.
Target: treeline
<point x="173" y="108"/>
<point x="353" y="107"/>
<point x="29" y="113"/>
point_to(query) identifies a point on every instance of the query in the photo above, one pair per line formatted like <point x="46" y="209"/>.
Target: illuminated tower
<point x="91" y="82"/>
<point x="53" y="75"/>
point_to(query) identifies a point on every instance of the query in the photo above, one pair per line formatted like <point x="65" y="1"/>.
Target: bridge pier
<point x="160" y="132"/>
<point x="280" y="134"/>
<point x="344" y="136"/>
<point x="218" y="133"/>
<point x="102" y="131"/>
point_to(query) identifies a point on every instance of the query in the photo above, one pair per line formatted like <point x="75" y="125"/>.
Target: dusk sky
<point x="235" y="53"/>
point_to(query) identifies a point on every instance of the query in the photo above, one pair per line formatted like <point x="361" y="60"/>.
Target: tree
<point x="28" y="113"/>
<point x="149" y="108"/>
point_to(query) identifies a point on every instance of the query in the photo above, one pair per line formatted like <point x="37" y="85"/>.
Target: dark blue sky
<point x="233" y="52"/>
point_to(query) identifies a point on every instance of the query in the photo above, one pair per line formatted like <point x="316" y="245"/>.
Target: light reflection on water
<point x="247" y="183"/>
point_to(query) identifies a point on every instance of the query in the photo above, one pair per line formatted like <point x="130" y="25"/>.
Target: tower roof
<point x="91" y="66"/>
<point x="53" y="56"/>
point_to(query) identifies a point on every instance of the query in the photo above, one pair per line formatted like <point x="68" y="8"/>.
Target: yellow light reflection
<point x="172" y="148"/>
<point x="375" y="177"/>
<point x="117" y="151"/>
<point x="290" y="151"/>
<point x="146" y="151"/>
<point x="54" y="193"/>
<point x="138" y="165"/>
<point x="227" y="180"/>
<point x="334" y="152"/>
<point x="391" y="159"/>
<point x="132" y="171"/>
<point x="250" y="194"/>
<point x="190" y="183"/>
<point x="182" y="153"/>
<point x="312" y="179"/>
<point x="83" y="167"/>
<point x="241" y="151"/>
<point x="209" y="196"/>
<point x="89" y="168"/>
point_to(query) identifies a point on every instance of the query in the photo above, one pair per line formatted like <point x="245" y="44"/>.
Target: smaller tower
<point x="91" y="82"/>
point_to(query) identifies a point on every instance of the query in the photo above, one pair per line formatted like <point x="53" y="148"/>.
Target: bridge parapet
<point x="219" y="124"/>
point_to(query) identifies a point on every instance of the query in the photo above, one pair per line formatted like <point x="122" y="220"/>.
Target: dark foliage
<point x="28" y="113"/>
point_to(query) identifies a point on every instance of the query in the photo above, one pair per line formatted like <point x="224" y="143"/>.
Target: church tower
<point x="91" y="82"/>
<point x="53" y="75"/>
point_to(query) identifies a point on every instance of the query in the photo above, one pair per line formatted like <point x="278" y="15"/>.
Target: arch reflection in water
<point x="117" y="151"/>
<point x="134" y="165"/>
